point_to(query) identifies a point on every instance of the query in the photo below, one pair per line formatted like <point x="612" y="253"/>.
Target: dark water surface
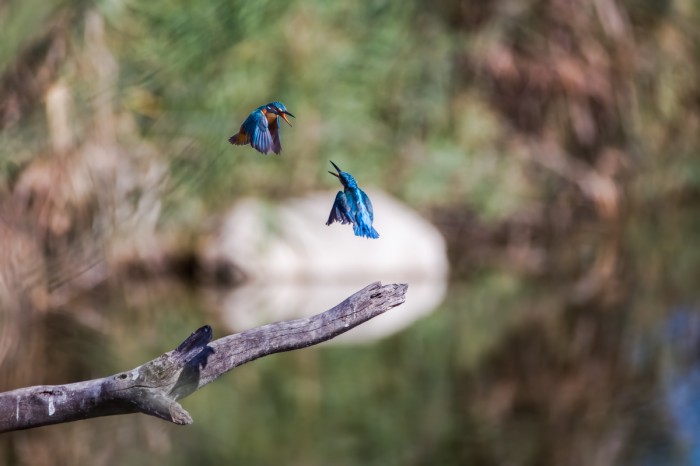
<point x="591" y="361"/>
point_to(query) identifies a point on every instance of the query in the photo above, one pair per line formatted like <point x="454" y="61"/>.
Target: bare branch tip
<point x="179" y="415"/>
<point x="397" y="290"/>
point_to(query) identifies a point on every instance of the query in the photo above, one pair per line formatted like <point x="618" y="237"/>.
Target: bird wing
<point x="256" y="127"/>
<point x="340" y="212"/>
<point x="368" y="204"/>
<point x="275" y="133"/>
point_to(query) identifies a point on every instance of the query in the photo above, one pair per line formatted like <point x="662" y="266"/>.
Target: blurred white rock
<point x="297" y="266"/>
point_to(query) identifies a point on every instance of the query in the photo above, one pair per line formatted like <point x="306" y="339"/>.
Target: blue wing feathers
<point x="255" y="127"/>
<point x="353" y="206"/>
<point x="261" y="140"/>
<point x="340" y="212"/>
<point x="262" y="129"/>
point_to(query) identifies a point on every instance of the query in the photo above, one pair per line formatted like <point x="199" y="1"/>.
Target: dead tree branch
<point x="154" y="388"/>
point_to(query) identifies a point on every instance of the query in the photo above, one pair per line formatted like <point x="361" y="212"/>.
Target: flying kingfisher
<point x="352" y="206"/>
<point x="261" y="129"/>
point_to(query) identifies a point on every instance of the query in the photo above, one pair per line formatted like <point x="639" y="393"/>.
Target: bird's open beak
<point x="284" y="116"/>
<point x="336" y="167"/>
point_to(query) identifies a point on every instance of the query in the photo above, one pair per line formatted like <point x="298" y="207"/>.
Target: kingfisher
<point x="352" y="205"/>
<point x="261" y="129"/>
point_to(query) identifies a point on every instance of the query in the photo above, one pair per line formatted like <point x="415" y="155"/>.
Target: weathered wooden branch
<point x="154" y="388"/>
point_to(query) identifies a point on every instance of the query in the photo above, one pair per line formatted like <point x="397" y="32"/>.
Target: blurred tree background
<point x="554" y="143"/>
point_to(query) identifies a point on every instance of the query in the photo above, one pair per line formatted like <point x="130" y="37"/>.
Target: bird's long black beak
<point x="336" y="167"/>
<point x="284" y="116"/>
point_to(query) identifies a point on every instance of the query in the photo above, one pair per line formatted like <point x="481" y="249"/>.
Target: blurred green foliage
<point x="373" y="89"/>
<point x="360" y="82"/>
<point x="432" y="102"/>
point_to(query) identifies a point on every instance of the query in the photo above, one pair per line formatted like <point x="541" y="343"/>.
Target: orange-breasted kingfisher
<point x="352" y="205"/>
<point x="261" y="129"/>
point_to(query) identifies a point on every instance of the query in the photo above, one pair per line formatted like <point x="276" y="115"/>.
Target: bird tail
<point x="367" y="231"/>
<point x="239" y="139"/>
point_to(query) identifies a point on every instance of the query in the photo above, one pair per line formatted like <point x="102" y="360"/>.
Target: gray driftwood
<point x="154" y="387"/>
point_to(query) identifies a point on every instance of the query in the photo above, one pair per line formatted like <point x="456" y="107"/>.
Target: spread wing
<point x="340" y="212"/>
<point x="256" y="127"/>
<point x="368" y="204"/>
<point x="275" y="133"/>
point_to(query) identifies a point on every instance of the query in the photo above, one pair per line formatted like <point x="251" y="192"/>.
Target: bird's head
<point x="345" y="178"/>
<point x="279" y="109"/>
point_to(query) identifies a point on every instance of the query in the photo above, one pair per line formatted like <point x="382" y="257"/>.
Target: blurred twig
<point x="154" y="388"/>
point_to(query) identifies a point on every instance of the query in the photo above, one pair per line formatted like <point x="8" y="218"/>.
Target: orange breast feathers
<point x="271" y="117"/>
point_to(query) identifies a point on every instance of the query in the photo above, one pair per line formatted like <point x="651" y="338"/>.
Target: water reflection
<point x="681" y="387"/>
<point x="500" y="368"/>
